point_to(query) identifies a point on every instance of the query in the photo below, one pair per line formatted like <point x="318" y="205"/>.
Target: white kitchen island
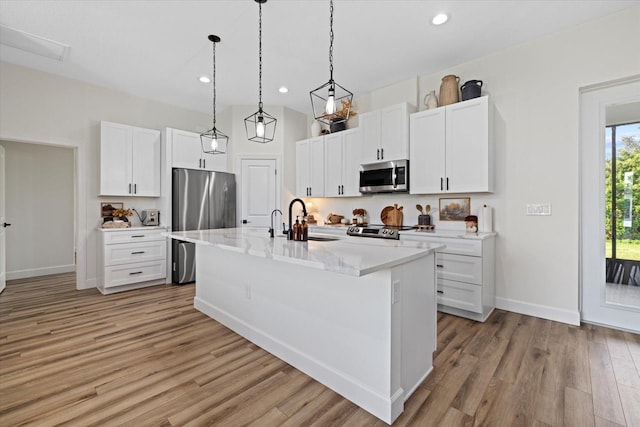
<point x="356" y="314"/>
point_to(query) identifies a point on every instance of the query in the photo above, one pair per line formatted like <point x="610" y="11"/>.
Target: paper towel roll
<point x="485" y="222"/>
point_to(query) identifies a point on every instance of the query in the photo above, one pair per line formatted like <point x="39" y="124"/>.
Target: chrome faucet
<point x="271" y="230"/>
<point x="304" y="213"/>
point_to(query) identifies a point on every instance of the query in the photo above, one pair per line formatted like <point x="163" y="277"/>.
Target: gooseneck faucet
<point x="271" y="230"/>
<point x="304" y="213"/>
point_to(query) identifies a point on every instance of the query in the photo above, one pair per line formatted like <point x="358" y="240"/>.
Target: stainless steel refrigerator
<point x="201" y="200"/>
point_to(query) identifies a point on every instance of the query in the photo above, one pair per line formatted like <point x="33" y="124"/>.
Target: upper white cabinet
<point x="451" y="149"/>
<point x="129" y="161"/>
<point x="310" y="167"/>
<point x="186" y="152"/>
<point x="385" y="133"/>
<point x="343" y="152"/>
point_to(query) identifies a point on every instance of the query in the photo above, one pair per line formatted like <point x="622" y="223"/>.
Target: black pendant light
<point x="260" y="126"/>
<point x="213" y="141"/>
<point x="331" y="103"/>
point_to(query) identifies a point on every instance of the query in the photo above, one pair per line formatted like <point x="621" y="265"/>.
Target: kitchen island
<point x="358" y="315"/>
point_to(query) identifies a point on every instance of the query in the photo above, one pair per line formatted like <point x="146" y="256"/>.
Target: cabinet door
<point x="351" y="156"/>
<point x="115" y="159"/>
<point x="427" y="166"/>
<point x="333" y="164"/>
<point x="370" y="127"/>
<point x="215" y="162"/>
<point x="468" y="151"/>
<point x="186" y="149"/>
<point x="316" y="166"/>
<point x="394" y="132"/>
<point x="146" y="162"/>
<point x="302" y="168"/>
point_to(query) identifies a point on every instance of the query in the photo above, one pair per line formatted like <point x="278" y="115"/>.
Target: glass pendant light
<point x="213" y="141"/>
<point x="260" y="126"/>
<point x="331" y="103"/>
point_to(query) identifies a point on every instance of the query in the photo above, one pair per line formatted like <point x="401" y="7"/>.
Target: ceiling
<point x="159" y="49"/>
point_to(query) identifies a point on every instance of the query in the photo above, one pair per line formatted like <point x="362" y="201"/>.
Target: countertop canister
<point x="449" y="93"/>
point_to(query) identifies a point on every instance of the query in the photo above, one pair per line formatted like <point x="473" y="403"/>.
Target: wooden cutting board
<point x="392" y="215"/>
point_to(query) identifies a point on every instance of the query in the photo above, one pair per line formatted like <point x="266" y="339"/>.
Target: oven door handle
<point x="394" y="176"/>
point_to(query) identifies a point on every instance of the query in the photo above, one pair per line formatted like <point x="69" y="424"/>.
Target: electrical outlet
<point x="396" y="291"/>
<point x="539" y="209"/>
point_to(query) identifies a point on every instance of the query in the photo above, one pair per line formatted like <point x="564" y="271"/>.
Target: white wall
<point x="534" y="88"/>
<point x="40" y="207"/>
<point x="41" y="107"/>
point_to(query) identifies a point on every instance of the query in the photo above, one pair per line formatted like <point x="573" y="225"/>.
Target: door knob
<point x="5" y="225"/>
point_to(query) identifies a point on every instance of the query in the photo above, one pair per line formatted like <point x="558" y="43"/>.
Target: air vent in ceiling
<point x="32" y="43"/>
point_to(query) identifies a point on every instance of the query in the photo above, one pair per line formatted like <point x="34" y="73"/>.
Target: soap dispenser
<point x="297" y="235"/>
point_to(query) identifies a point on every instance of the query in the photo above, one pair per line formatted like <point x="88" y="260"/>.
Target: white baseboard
<point x="550" y="313"/>
<point x="42" y="271"/>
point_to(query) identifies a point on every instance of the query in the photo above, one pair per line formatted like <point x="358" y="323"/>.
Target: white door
<point x="3" y="225"/>
<point x="259" y="188"/>
<point x="597" y="303"/>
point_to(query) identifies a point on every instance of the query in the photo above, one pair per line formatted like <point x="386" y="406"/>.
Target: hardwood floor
<point x="148" y="358"/>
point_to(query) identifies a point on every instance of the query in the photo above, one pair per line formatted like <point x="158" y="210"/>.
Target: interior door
<point x="259" y="190"/>
<point x="3" y="224"/>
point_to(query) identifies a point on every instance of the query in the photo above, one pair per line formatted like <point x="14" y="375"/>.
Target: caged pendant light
<point x="213" y="141"/>
<point x="260" y="126"/>
<point x="331" y="103"/>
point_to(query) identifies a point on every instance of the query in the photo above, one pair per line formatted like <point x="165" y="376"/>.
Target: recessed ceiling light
<point x="283" y="89"/>
<point x="440" y="19"/>
<point x="205" y="79"/>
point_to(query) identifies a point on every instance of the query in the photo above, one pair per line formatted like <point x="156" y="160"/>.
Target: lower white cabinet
<point x="466" y="273"/>
<point x="131" y="258"/>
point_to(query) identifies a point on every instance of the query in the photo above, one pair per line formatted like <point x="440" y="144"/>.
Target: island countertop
<point x="353" y="256"/>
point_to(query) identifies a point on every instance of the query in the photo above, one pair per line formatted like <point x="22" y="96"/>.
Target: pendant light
<point x="331" y="98"/>
<point x="260" y="126"/>
<point x="213" y="141"/>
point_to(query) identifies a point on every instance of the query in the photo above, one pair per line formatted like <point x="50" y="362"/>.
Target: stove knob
<point x="384" y="231"/>
<point x="392" y="232"/>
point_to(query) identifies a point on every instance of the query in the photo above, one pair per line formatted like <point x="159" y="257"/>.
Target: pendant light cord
<point x="214" y="85"/>
<point x="260" y="57"/>
<point x="331" y="40"/>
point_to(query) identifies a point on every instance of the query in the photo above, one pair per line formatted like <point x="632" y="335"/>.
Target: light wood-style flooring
<point x="148" y="358"/>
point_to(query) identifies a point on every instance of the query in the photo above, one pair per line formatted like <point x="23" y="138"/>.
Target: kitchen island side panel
<point x="344" y="331"/>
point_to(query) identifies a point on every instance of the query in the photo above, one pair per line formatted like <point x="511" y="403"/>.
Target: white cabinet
<point x="385" y="133"/>
<point x="131" y="258"/>
<point x="310" y="167"/>
<point x="466" y="274"/>
<point x="343" y="152"/>
<point x="451" y="149"/>
<point x="186" y="152"/>
<point x="129" y="161"/>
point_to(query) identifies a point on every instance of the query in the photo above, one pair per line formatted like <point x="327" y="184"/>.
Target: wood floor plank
<point x="606" y="400"/>
<point x="578" y="408"/>
<point x="148" y="358"/>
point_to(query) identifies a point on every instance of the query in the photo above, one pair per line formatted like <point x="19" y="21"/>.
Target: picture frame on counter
<point x="454" y="209"/>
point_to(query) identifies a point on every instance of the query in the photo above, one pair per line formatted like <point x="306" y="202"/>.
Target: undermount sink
<point x="322" y="238"/>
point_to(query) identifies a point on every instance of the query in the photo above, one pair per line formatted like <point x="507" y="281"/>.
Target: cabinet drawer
<point x="460" y="295"/>
<point x="111" y="237"/>
<point x="119" y="275"/>
<point x="453" y="245"/>
<point x="460" y="268"/>
<point x="127" y="253"/>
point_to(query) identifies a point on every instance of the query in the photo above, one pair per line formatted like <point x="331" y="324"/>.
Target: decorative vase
<point x="449" y="90"/>
<point x="431" y="100"/>
<point x="315" y="128"/>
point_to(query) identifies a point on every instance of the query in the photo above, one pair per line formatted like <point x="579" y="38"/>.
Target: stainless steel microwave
<point x="385" y="177"/>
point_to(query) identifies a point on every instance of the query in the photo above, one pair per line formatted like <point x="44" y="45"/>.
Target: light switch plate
<point x="538" y="209"/>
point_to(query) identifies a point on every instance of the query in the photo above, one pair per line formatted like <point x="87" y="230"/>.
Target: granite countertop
<point x="352" y="256"/>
